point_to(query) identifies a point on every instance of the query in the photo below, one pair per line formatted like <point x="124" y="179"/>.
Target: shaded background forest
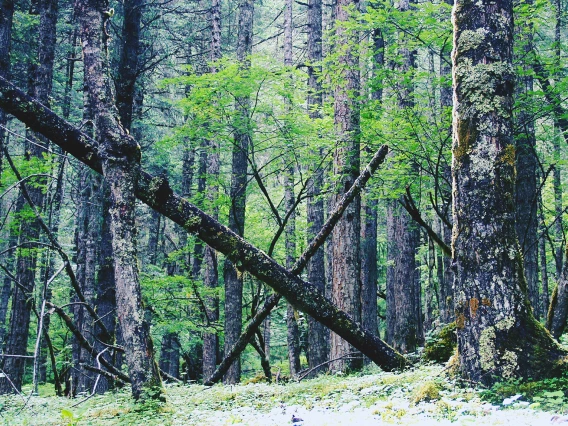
<point x="188" y="100"/>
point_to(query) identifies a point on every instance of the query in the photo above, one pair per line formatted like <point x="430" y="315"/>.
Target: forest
<point x="281" y="191"/>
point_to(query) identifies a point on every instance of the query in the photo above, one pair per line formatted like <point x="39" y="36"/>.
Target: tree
<point x="403" y="235"/>
<point x="211" y="278"/>
<point x="156" y="193"/>
<point x="346" y="284"/>
<point x="317" y="334"/>
<point x="17" y="339"/>
<point x="498" y="337"/>
<point x="233" y="282"/>
<point x="7" y="12"/>
<point x="120" y="167"/>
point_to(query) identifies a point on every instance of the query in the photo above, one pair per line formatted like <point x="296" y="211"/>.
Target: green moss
<point x="441" y="347"/>
<point x="427" y="392"/>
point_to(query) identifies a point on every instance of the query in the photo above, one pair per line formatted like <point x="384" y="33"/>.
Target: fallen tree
<point x="156" y="193"/>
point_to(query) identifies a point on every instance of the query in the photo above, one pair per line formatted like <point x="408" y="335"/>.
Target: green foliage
<point x="548" y="394"/>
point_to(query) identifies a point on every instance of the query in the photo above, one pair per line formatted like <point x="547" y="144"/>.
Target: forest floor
<point x="422" y="396"/>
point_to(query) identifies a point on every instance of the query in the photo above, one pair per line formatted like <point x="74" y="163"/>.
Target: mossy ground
<point x="423" y="395"/>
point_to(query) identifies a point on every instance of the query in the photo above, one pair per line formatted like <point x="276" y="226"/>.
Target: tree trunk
<point x="120" y="165"/>
<point x="369" y="270"/>
<point x="317" y="341"/>
<point x="292" y="325"/>
<point x="498" y="337"/>
<point x="403" y="238"/>
<point x="211" y="279"/>
<point x="402" y="327"/>
<point x="26" y="261"/>
<point x="545" y="297"/>
<point x="293" y="335"/>
<point x="106" y="289"/>
<point x="233" y="280"/>
<point x="169" y="356"/>
<point x="346" y="280"/>
<point x="86" y="236"/>
<point x="156" y="193"/>
<point x="558" y="312"/>
<point x="526" y="166"/>
<point x="6" y="15"/>
<point x="128" y="64"/>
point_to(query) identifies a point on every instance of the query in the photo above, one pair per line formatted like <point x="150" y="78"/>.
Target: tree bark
<point x="233" y="280"/>
<point x="346" y="279"/>
<point x="369" y="228"/>
<point x="120" y="166"/>
<point x="545" y="296"/>
<point x="169" y="356"/>
<point x="6" y="16"/>
<point x="317" y="334"/>
<point x="211" y="279"/>
<point x="402" y="327"/>
<point x="558" y="311"/>
<point x="128" y="64"/>
<point x="156" y="193"/>
<point x="106" y="288"/>
<point x="527" y="163"/>
<point x="403" y="237"/>
<point x="498" y="337"/>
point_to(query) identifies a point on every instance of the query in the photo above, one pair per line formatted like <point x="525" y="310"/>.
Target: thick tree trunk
<point x="233" y="280"/>
<point x="346" y="279"/>
<point x="317" y="334"/>
<point x="120" y="165"/>
<point x="526" y="166"/>
<point x="26" y="261"/>
<point x="498" y="337"/>
<point x="404" y="324"/>
<point x="156" y="193"/>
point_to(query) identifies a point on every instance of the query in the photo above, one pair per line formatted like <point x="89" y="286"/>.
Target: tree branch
<point x="410" y="207"/>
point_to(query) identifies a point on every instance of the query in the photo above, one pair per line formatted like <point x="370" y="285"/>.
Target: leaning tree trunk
<point x="346" y="279"/>
<point x="498" y="337"/>
<point x="26" y="261"/>
<point x="121" y="166"/>
<point x="233" y="280"/>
